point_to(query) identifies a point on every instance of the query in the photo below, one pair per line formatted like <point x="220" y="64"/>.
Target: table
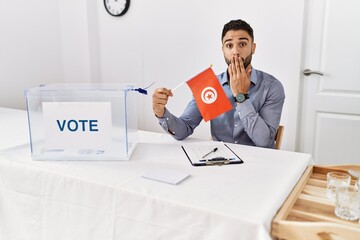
<point x="13" y="128"/>
<point x="110" y="200"/>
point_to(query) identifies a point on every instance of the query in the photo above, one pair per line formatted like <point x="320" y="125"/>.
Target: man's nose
<point x="236" y="53"/>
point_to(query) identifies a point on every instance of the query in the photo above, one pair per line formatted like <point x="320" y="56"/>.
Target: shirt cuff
<point x="164" y="121"/>
<point x="245" y="108"/>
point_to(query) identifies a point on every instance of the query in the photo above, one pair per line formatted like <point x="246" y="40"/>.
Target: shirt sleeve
<point x="261" y="126"/>
<point x="183" y="126"/>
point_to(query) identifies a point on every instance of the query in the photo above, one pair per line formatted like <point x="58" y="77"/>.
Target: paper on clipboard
<point x="217" y="153"/>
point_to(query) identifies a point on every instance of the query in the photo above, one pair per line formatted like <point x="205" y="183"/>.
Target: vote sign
<point x="77" y="125"/>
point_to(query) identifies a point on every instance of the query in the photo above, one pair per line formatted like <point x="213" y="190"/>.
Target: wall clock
<point x="117" y="8"/>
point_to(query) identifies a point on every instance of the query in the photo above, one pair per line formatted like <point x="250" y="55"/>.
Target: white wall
<point x="162" y="41"/>
<point x="30" y="48"/>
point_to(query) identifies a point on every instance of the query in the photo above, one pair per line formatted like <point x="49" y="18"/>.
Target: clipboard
<point x="213" y="154"/>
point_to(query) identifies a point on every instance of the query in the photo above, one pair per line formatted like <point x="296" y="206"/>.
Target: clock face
<point x="117" y="7"/>
<point x="240" y="98"/>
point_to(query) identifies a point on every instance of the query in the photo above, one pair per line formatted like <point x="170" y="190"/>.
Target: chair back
<point x="279" y="136"/>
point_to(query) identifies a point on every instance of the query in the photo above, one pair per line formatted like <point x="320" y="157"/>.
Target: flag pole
<point x="172" y="90"/>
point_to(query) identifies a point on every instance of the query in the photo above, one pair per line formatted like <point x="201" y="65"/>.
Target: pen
<point x="214" y="150"/>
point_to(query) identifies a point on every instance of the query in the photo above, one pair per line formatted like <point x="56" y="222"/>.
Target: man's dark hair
<point x="237" y="25"/>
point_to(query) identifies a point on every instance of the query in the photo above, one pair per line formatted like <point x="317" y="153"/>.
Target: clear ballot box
<point x="82" y="121"/>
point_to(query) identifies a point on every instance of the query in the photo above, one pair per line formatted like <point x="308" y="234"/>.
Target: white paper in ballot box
<point x="82" y="121"/>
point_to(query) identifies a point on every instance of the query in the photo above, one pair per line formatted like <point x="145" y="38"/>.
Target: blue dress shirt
<point x="253" y="122"/>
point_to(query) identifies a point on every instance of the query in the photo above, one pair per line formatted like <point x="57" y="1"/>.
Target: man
<point x="257" y="97"/>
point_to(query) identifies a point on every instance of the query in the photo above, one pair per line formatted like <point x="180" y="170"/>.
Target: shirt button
<point x="235" y="141"/>
<point x="167" y="119"/>
<point x="235" y="125"/>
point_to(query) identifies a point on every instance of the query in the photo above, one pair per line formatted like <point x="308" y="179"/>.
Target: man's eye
<point x="229" y="45"/>
<point x="242" y="44"/>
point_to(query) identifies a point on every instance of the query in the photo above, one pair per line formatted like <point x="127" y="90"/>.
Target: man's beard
<point x="246" y="61"/>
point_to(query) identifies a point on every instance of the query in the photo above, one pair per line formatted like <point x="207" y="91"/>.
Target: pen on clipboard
<point x="212" y="151"/>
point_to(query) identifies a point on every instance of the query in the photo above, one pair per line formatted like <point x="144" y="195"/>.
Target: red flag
<point x="209" y="95"/>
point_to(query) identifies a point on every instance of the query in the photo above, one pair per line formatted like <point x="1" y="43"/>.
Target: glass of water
<point x="337" y="182"/>
<point x="347" y="204"/>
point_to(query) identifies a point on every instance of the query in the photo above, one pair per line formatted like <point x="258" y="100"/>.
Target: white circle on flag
<point x="208" y="95"/>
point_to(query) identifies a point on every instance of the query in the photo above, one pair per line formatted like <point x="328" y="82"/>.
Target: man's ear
<point x="253" y="47"/>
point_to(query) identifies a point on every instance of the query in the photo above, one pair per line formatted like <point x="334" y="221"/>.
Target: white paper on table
<point x="166" y="175"/>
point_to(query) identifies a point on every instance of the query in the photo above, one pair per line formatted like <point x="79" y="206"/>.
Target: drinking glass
<point x="347" y="204"/>
<point x="337" y="182"/>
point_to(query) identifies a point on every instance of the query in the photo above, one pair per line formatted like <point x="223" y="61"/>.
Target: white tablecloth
<point x="83" y="200"/>
<point x="13" y="128"/>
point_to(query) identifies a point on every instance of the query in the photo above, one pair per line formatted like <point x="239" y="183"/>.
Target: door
<point x="330" y="111"/>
